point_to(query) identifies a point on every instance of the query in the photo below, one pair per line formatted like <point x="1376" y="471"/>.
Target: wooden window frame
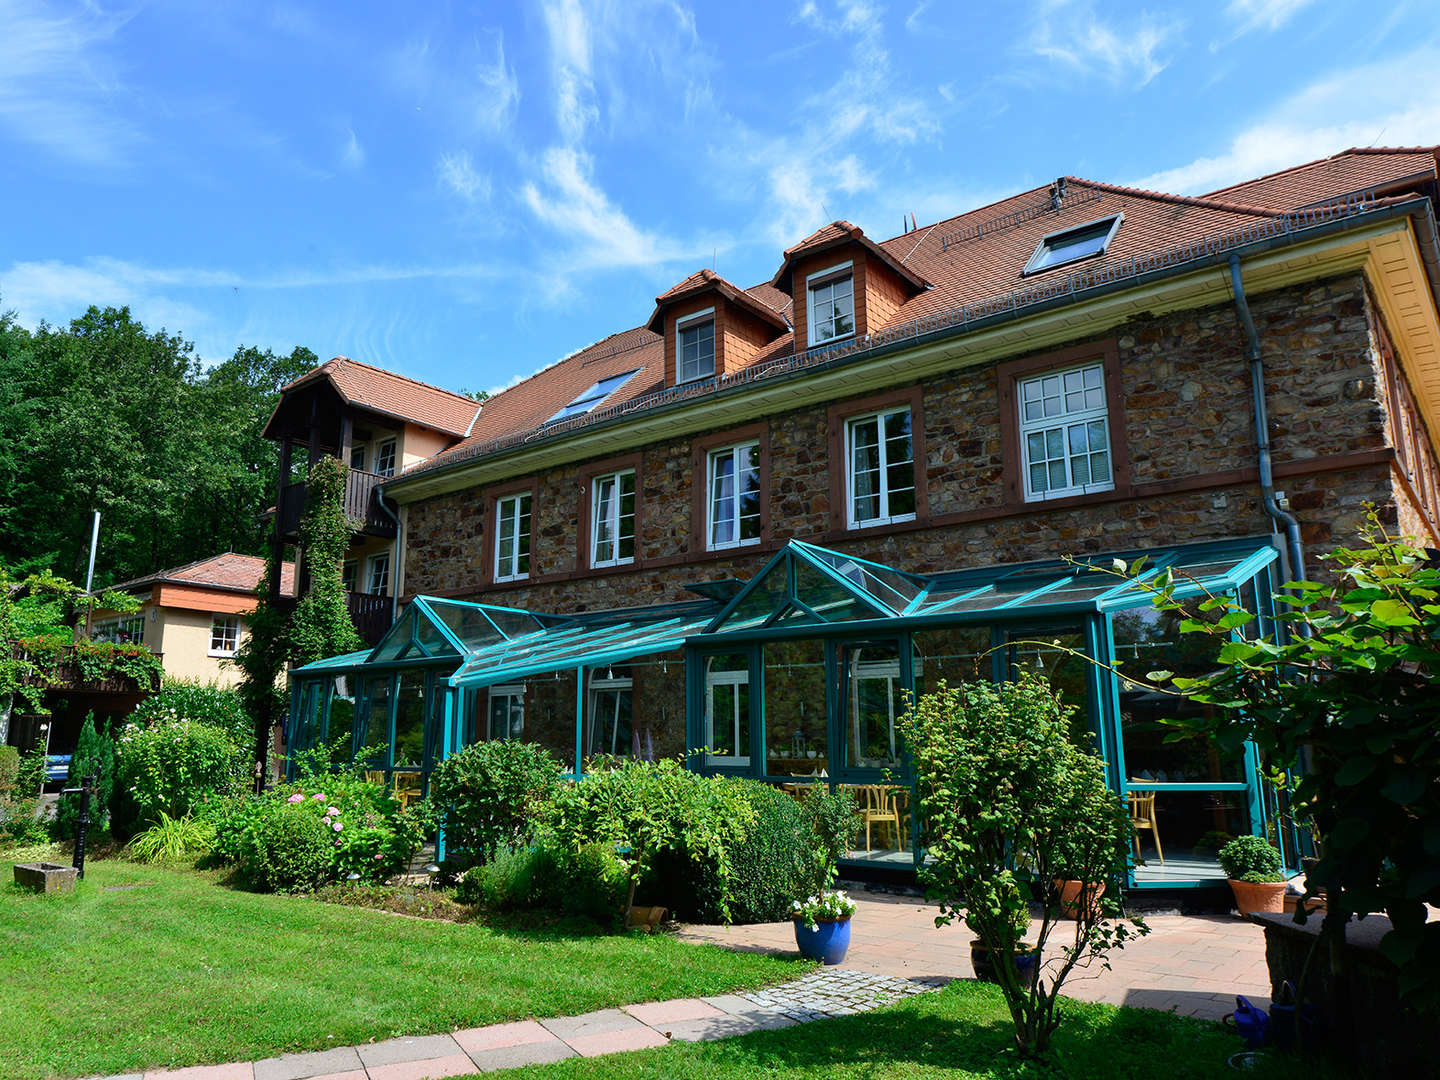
<point x="700" y="451"/>
<point x="837" y="420"/>
<point x="1008" y="377"/>
<point x="588" y="474"/>
<point x="490" y="524"/>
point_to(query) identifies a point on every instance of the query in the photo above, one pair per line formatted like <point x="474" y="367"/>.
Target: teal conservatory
<point x="798" y="677"/>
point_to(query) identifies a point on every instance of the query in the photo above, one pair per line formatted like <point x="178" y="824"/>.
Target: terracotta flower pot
<point x="1262" y="896"/>
<point x="1070" y="897"/>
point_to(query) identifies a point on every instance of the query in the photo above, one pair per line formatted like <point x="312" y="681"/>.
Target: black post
<point x="82" y="825"/>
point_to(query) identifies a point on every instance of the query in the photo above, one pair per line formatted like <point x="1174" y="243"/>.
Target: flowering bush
<point x="822" y="907"/>
<point x="171" y="767"/>
<point x="364" y="828"/>
<point x="205" y="703"/>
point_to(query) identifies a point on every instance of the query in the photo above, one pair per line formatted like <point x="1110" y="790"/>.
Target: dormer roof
<point x="839" y="234"/>
<point x="703" y="281"/>
<point x="392" y="395"/>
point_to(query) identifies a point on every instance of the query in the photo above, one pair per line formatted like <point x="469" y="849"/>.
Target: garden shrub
<point x="834" y="820"/>
<point x="507" y="880"/>
<point x="366" y="830"/>
<point x="492" y="795"/>
<point x="9" y="769"/>
<point x="590" y="881"/>
<point x="20" y="798"/>
<point x="205" y="703"/>
<point x="778" y="859"/>
<point x="1252" y="859"/>
<point x="173" y="838"/>
<point x="171" y="767"/>
<point x="94" y="754"/>
<point x="646" y="810"/>
<point x="284" y="847"/>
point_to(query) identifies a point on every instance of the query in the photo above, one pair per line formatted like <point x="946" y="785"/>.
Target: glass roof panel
<point x="431" y="638"/>
<point x="566" y="647"/>
<point x="891" y="588"/>
<point x="829" y="599"/>
<point x="468" y="622"/>
<point x="760" y="599"/>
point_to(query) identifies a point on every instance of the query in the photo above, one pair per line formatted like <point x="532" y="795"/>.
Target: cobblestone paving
<point x="838" y="992"/>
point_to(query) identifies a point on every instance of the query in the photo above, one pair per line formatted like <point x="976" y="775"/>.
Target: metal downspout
<point x="1294" y="549"/>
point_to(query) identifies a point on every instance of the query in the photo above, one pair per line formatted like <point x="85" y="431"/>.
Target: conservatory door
<point x="608" y="730"/>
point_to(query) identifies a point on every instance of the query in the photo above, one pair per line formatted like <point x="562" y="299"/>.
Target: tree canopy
<point x="105" y="414"/>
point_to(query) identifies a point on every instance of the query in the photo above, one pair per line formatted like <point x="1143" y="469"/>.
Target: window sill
<point x="694" y="378"/>
<point x="878" y="523"/>
<point x="611" y="563"/>
<point x="836" y="340"/>
<point x="500" y="579"/>
<point x="221" y="655"/>
<point x="1069" y="493"/>
<point x="754" y="542"/>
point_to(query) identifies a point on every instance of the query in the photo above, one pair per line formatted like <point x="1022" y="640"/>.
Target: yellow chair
<point x="409" y="788"/>
<point x="878" y="808"/>
<point x="375" y="776"/>
<point x="1142" y="816"/>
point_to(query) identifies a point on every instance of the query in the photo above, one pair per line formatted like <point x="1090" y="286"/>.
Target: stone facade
<point x="1187" y="427"/>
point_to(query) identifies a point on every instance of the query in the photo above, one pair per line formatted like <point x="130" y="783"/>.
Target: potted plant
<point x="822" y="925"/>
<point x="1253" y="866"/>
<point x="1027" y="957"/>
<point x="1077" y="895"/>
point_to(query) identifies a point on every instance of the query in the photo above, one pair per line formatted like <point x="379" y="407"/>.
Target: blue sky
<point x="467" y="192"/>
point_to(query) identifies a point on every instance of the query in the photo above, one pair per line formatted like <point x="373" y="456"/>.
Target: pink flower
<point x="378" y="858"/>
<point x="320" y="795"/>
<point x="332" y="811"/>
<point x="336" y="826"/>
<point x="297" y="797"/>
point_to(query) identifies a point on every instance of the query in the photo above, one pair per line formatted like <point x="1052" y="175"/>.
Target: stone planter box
<point x="45" y="877"/>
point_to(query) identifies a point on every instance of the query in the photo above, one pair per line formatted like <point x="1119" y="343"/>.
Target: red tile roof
<point x="1378" y="169"/>
<point x="395" y="395"/>
<point x="968" y="263"/>
<point x="838" y="234"/>
<point x="229" y="572"/>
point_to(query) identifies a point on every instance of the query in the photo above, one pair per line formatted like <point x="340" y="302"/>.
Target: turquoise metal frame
<point x="803" y="592"/>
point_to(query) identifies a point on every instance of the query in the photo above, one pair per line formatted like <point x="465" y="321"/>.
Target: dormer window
<point x="1071" y="245"/>
<point x="831" y="295"/>
<point x="592" y="396"/>
<point x="695" y="345"/>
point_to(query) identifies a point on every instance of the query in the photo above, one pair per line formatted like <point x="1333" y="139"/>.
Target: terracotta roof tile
<point x="707" y="280"/>
<point x="230" y="571"/>
<point x="1347" y="173"/>
<point x="395" y="395"/>
<point x="974" y="257"/>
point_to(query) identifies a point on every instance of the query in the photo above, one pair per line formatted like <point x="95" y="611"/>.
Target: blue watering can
<point x="1248" y="1021"/>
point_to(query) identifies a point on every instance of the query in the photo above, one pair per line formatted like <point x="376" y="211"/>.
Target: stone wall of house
<point x="1188" y="425"/>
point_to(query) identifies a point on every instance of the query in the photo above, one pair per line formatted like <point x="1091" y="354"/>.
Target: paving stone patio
<point x="1193" y="964"/>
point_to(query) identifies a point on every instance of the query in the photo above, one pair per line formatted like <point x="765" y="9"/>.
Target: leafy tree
<point x="1011" y="805"/>
<point x="1354" y="689"/>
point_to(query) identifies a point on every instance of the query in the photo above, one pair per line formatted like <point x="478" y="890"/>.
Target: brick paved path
<point x="1195" y="964"/>
<point x="820" y="994"/>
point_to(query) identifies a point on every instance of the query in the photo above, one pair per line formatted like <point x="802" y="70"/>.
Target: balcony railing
<point x="362" y="505"/>
<point x="370" y="614"/>
<point x="94" y="668"/>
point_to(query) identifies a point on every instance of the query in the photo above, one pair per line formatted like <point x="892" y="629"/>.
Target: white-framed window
<point x="385" y="457"/>
<point x="377" y="575"/>
<point x="727" y="710"/>
<point x="880" y="468"/>
<point x="512" y="537"/>
<point x="126" y="630"/>
<point x="609" y="730"/>
<point x="733" y="497"/>
<point x="357" y="456"/>
<point x="695" y="346"/>
<point x="506" y="718"/>
<point x="224" y="634"/>
<point x="831" y="310"/>
<point x="1065" y="433"/>
<point x="612" y="519"/>
<point x="1070" y="245"/>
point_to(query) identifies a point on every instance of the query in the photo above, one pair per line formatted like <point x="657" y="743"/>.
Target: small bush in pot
<point x="1253" y="866"/>
<point x="822" y="925"/>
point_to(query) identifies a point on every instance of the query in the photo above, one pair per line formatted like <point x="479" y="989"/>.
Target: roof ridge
<point x="395" y="374"/>
<point x="1166" y="196"/>
<point x="1322" y="160"/>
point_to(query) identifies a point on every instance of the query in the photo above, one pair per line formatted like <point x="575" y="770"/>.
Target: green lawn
<point x="961" y="1033"/>
<point x="143" y="967"/>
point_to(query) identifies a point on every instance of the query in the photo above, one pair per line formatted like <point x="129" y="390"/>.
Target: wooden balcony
<point x="362" y="506"/>
<point x="370" y="614"/>
<point x="82" y="668"/>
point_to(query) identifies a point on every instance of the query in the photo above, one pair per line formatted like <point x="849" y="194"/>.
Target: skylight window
<point x="597" y="392"/>
<point x="1070" y="245"/>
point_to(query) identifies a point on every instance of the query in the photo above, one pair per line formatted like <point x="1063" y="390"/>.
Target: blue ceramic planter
<point x="828" y="942"/>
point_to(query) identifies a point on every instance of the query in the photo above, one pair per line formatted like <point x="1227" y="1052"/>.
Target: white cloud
<point x="471" y="84"/>
<point x="1070" y="32"/>
<point x="596" y="232"/>
<point x="457" y="172"/>
<point x="1251" y="15"/>
<point x="58" y="89"/>
<point x="1394" y="102"/>
<point x="570" y="56"/>
<point x="352" y="155"/>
